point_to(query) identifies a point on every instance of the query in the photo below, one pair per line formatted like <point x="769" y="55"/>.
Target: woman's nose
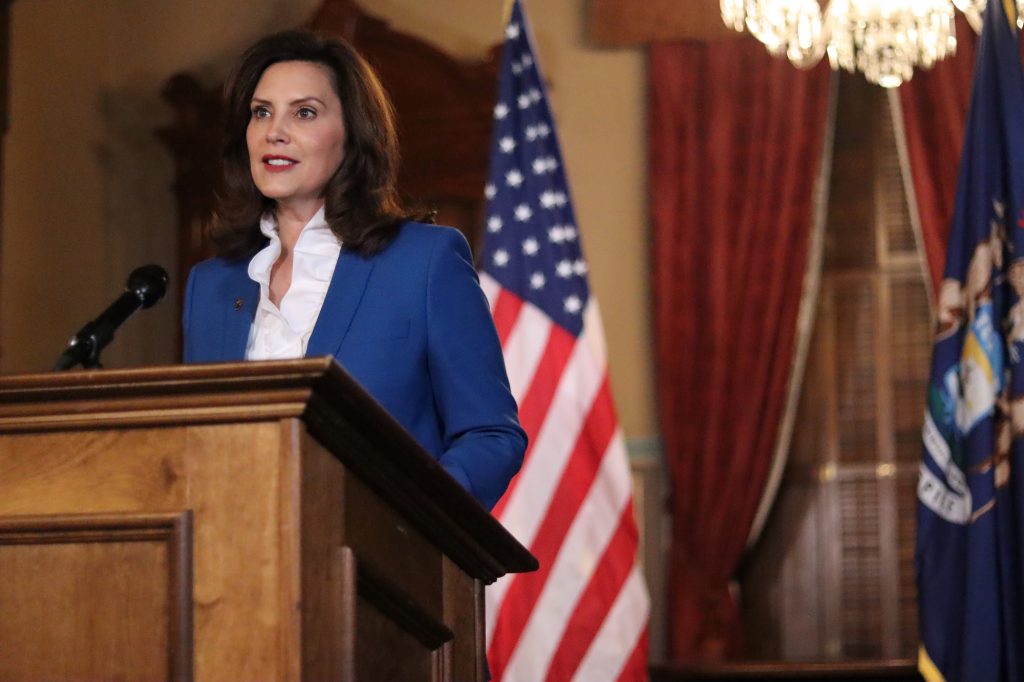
<point x="277" y="129"/>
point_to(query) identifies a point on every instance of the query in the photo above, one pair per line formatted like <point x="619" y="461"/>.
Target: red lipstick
<point x="275" y="163"/>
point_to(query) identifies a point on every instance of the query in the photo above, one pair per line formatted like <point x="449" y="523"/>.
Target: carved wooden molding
<point x="627" y="23"/>
<point x="400" y="607"/>
<point x="172" y="529"/>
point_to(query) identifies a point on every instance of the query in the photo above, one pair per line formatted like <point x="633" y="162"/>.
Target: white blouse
<point x="283" y="333"/>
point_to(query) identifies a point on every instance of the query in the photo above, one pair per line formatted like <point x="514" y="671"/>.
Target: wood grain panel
<point x="240" y="589"/>
<point x="66" y="472"/>
<point x="96" y="597"/>
<point x="328" y="581"/>
<point x="245" y="572"/>
<point x="464" y="613"/>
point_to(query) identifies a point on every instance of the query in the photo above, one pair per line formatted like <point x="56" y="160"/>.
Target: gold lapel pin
<point x="238" y="304"/>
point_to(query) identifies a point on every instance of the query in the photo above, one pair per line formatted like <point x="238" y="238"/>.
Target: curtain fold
<point x="735" y="143"/>
<point x="934" y="105"/>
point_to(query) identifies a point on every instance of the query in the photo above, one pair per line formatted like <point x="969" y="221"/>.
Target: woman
<point x="317" y="257"/>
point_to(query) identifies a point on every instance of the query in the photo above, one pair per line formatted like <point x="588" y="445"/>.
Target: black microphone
<point x="146" y="286"/>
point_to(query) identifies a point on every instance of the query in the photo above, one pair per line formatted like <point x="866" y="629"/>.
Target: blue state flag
<point x="970" y="536"/>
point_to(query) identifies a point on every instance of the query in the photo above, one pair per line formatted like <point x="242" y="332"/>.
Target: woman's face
<point x="296" y="134"/>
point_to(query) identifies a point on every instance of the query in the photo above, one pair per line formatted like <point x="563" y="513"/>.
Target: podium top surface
<point x="334" y="408"/>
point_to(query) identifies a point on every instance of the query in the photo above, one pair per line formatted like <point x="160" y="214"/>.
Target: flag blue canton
<point x="971" y="513"/>
<point x="531" y="245"/>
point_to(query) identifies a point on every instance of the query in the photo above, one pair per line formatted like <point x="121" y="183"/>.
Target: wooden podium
<point x="248" y="521"/>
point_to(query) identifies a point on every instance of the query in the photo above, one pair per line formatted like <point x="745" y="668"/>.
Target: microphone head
<point x="149" y="283"/>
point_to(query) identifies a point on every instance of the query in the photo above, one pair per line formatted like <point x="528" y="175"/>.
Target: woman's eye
<point x="260" y="112"/>
<point x="306" y="112"/>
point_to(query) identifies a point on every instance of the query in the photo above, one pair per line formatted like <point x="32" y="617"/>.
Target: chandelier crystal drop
<point x="883" y="39"/>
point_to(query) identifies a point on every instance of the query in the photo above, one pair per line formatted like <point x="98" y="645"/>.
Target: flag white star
<point x="516" y="68"/>
<point x="537" y="280"/>
<point x="569" y="232"/>
<point x="501" y="258"/>
<point x="514" y="178"/>
<point x="549" y="199"/>
<point x="489" y="191"/>
<point x="523" y="213"/>
<point x="500" y="110"/>
<point x="512" y="32"/>
<point x="523" y="101"/>
<point x="573" y="304"/>
<point x="556" y="234"/>
<point x="531" y="133"/>
<point x="534" y="95"/>
<point x="494" y="224"/>
<point x="507" y="144"/>
<point x="543" y="130"/>
<point x="527" y="60"/>
<point x="564" y="269"/>
<point x="544" y="164"/>
<point x="530" y="246"/>
<point x="579" y="268"/>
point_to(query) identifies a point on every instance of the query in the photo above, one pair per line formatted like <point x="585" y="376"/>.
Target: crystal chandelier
<point x="884" y="39"/>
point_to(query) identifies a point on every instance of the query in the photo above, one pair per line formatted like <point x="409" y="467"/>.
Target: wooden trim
<point x="151" y="412"/>
<point x="174" y="529"/>
<point x="627" y="23"/>
<point x="898" y="669"/>
<point x="343" y="569"/>
<point x="480" y="603"/>
<point x="289" y="504"/>
<point x="400" y="608"/>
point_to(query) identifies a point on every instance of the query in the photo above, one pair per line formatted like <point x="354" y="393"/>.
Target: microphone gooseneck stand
<point x="146" y="286"/>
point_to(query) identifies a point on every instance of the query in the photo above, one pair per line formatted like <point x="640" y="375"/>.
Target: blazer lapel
<point x="239" y="312"/>
<point x="343" y="296"/>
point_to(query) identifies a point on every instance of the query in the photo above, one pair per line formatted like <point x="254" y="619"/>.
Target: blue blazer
<point x="412" y="326"/>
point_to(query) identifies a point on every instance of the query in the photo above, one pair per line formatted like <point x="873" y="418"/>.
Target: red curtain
<point x="735" y="146"/>
<point x="934" y="107"/>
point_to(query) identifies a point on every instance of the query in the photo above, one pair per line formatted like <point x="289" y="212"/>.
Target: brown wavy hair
<point x="361" y="202"/>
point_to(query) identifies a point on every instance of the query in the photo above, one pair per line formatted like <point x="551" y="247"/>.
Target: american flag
<point x="583" y="615"/>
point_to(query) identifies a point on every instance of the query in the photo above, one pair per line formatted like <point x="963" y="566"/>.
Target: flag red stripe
<point x="538" y="397"/>
<point x="537" y="401"/>
<point x="572" y="490"/>
<point x="635" y="669"/>
<point x="596" y="600"/>
<point x="505" y="313"/>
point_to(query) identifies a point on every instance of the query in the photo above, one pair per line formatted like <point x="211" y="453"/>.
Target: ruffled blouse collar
<point x="313" y="261"/>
